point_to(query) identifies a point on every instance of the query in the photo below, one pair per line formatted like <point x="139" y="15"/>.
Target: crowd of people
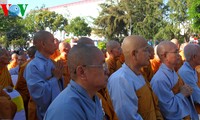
<point x="131" y="81"/>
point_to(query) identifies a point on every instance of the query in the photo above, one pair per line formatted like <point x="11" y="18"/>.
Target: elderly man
<point x="131" y="95"/>
<point x="173" y="95"/>
<point x="78" y="101"/>
<point x="102" y="93"/>
<point x="43" y="77"/>
<point x="188" y="73"/>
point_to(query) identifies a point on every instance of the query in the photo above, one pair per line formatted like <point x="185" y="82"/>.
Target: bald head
<point x="85" y="40"/>
<point x="190" y="51"/>
<point x="41" y="36"/>
<point x="165" y="47"/>
<point x="131" y="43"/>
<point x="14" y="56"/>
<point x="82" y="55"/>
<point x="64" y="47"/>
<point x="110" y="45"/>
<point x="176" y="42"/>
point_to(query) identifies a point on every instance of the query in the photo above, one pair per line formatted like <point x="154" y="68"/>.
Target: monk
<point x="155" y="62"/>
<point x="188" y="73"/>
<point x="5" y="78"/>
<point x="57" y="52"/>
<point x="180" y="63"/>
<point x="173" y="94"/>
<point x="79" y="101"/>
<point x="8" y="108"/>
<point x="43" y="77"/>
<point x="114" y="50"/>
<point x="13" y="63"/>
<point x="21" y="86"/>
<point x="64" y="48"/>
<point x="131" y="95"/>
<point x="102" y="93"/>
<point x="147" y="71"/>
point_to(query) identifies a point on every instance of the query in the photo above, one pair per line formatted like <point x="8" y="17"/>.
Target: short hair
<point x="80" y="55"/>
<point x="191" y="50"/>
<point x="40" y="35"/>
<point x="111" y="45"/>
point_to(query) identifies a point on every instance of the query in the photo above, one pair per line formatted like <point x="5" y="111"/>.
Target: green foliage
<point x="12" y="28"/>
<point x="194" y="12"/>
<point x="3" y="41"/>
<point x="78" y="27"/>
<point x="40" y="19"/>
<point x="102" y="45"/>
<point x="130" y="17"/>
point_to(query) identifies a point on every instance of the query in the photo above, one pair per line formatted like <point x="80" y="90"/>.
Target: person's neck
<point x="192" y="64"/>
<point x="44" y="54"/>
<point x="134" y="68"/>
<point x="170" y="66"/>
<point x="90" y="91"/>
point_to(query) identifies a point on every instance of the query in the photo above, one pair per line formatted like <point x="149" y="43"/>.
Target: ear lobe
<point x="80" y="71"/>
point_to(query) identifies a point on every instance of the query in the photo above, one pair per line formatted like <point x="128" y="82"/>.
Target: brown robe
<point x="176" y="90"/>
<point x="148" y="103"/>
<point x="21" y="86"/>
<point x="147" y="72"/>
<point x="8" y="108"/>
<point x="5" y="78"/>
<point x="107" y="104"/>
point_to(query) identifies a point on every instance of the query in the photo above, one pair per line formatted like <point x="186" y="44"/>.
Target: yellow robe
<point x="55" y="55"/>
<point x="66" y="73"/>
<point x="107" y="104"/>
<point x="21" y="86"/>
<point x="5" y="78"/>
<point x="12" y="64"/>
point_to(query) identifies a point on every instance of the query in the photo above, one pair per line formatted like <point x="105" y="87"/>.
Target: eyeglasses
<point x="104" y="66"/>
<point x="175" y="52"/>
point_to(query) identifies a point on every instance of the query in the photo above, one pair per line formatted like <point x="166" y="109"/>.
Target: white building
<point x="83" y="8"/>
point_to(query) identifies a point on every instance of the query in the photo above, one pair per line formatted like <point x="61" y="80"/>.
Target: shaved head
<point x="2" y="51"/>
<point x="190" y="51"/>
<point x="175" y="41"/>
<point x="14" y="56"/>
<point x="131" y="43"/>
<point x="111" y="45"/>
<point x="81" y="55"/>
<point x="164" y="47"/>
<point x="85" y="40"/>
<point x="63" y="46"/>
<point x="41" y="36"/>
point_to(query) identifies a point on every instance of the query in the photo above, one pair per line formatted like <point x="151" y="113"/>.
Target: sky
<point x="32" y="4"/>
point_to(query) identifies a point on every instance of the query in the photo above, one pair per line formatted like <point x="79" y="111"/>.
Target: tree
<point x="41" y="18"/>
<point x="12" y="28"/>
<point x="194" y="13"/>
<point x="131" y="17"/>
<point x="78" y="27"/>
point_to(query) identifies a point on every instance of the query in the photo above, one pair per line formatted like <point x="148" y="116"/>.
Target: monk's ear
<point x="133" y="53"/>
<point x="80" y="71"/>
